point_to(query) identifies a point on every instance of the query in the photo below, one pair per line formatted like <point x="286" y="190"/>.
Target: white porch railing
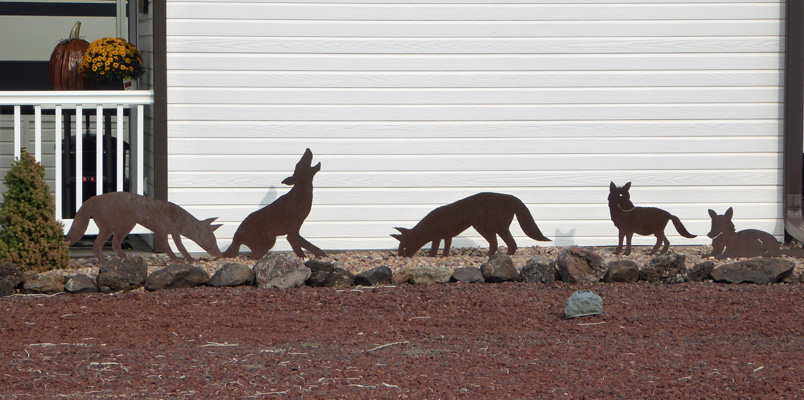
<point x="81" y="104"/>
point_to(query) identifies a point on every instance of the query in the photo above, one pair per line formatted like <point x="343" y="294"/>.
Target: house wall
<point x="411" y="106"/>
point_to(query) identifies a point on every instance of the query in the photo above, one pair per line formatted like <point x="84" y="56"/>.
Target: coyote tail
<point x="680" y="227"/>
<point x="79" y="226"/>
<point x="527" y="223"/>
<point x="794" y="252"/>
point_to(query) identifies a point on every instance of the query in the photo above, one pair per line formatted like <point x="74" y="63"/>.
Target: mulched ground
<point x="464" y="341"/>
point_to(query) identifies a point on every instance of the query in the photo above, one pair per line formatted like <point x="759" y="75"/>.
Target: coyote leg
<point x="506" y="236"/>
<point x="302" y="242"/>
<point x="447" y="245"/>
<point x="434" y="249"/>
<point x="620" y="242"/>
<point x="97" y="247"/>
<point x="182" y="250"/>
<point x="628" y="237"/>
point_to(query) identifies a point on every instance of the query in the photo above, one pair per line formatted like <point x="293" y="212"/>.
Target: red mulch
<point x="481" y="341"/>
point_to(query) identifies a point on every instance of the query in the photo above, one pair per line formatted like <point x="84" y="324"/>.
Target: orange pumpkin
<point x="62" y="69"/>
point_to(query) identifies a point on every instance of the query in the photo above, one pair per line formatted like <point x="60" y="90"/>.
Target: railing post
<point x="17" y="132"/>
<point x="99" y="150"/>
<point x="79" y="156"/>
<point x="38" y="133"/>
<point x="58" y="168"/>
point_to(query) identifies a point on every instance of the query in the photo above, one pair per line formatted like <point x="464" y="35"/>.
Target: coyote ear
<point x="712" y="213"/>
<point x="627" y="186"/>
<point x="402" y="230"/>
<point x="317" y="168"/>
<point x="396" y="236"/>
<point x="209" y="220"/>
<point x="215" y="227"/>
<point x="729" y="213"/>
<point x="612" y="186"/>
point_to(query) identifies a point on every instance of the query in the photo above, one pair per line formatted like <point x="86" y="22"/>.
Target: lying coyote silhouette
<point x="117" y="213"/>
<point x="489" y="213"/>
<point x="284" y="216"/>
<point x="642" y="220"/>
<point x="728" y="243"/>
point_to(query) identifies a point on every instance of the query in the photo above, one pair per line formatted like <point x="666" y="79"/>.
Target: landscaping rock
<point x="402" y="275"/>
<point x="121" y="274"/>
<point x="666" y="268"/>
<point x="578" y="265"/>
<point x="468" y="275"/>
<point x="10" y="277"/>
<point x="232" y="274"/>
<point x="274" y="265"/>
<point x="176" y="277"/>
<point x="583" y="303"/>
<point x="758" y="270"/>
<point x="701" y="272"/>
<point x="326" y="274"/>
<point x="80" y="284"/>
<point x="287" y="279"/>
<point x="499" y="268"/>
<point x="430" y="275"/>
<point x="44" y="283"/>
<point x="622" y="271"/>
<point x="375" y="276"/>
<point x="539" y="269"/>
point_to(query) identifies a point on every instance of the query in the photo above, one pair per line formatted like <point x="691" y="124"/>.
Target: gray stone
<point x="44" y="283"/>
<point x="232" y="274"/>
<point x="757" y="270"/>
<point x="583" y="303"/>
<point x="80" y="284"/>
<point x="288" y="279"/>
<point x="402" y="275"/>
<point x="430" y="275"/>
<point x="10" y="277"/>
<point x="375" y="276"/>
<point x="274" y="265"/>
<point x="540" y="269"/>
<point x="666" y="268"/>
<point x="578" y="265"/>
<point x="499" y="268"/>
<point x="702" y="271"/>
<point x="622" y="271"/>
<point x="468" y="275"/>
<point x="176" y="276"/>
<point x="121" y="274"/>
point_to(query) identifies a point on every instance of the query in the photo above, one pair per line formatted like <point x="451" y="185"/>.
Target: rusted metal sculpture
<point x="728" y="243"/>
<point x="117" y="213"/>
<point x="641" y="220"/>
<point x="284" y="216"/>
<point x="489" y="213"/>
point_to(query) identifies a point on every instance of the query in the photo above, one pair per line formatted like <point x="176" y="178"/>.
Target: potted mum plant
<point x="112" y="60"/>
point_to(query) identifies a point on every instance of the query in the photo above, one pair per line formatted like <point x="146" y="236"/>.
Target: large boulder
<point x="45" y="283"/>
<point x="540" y="269"/>
<point x="232" y="274"/>
<point x="274" y="265"/>
<point x="468" y="275"/>
<point x="583" y="303"/>
<point x="578" y="265"/>
<point x="10" y="277"/>
<point x="176" y="276"/>
<point x="80" y="284"/>
<point x="121" y="274"/>
<point x="375" y="276"/>
<point x="499" y="268"/>
<point x="757" y="270"/>
<point x="666" y="268"/>
<point x="622" y="271"/>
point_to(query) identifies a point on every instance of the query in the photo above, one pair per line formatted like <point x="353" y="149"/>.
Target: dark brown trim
<point x="794" y="121"/>
<point x="160" y="105"/>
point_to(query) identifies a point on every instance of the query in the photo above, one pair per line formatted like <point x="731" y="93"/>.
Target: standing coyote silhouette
<point x="284" y="216"/>
<point x="728" y="243"/>
<point x="117" y="213"/>
<point x="642" y="220"/>
<point x="489" y="213"/>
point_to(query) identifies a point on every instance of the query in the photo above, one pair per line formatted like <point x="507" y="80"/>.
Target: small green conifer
<point x="30" y="235"/>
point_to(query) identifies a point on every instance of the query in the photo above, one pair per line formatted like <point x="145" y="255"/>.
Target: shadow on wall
<point x="564" y="239"/>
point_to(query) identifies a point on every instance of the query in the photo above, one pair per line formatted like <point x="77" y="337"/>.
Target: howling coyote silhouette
<point x="489" y="213"/>
<point x="284" y="216"/>
<point x="642" y="220"/>
<point x="117" y="213"/>
<point x="728" y="243"/>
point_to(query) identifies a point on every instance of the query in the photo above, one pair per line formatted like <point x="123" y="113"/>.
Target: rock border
<point x="284" y="271"/>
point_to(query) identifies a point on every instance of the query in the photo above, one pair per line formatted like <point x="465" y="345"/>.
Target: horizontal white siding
<point x="409" y="106"/>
